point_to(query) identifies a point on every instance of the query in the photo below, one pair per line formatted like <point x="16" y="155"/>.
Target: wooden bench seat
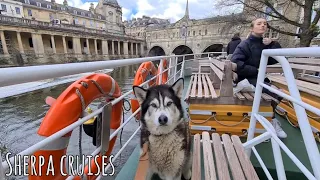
<point x="300" y="68"/>
<point x="307" y="87"/>
<point x="215" y="86"/>
<point x="222" y="159"/>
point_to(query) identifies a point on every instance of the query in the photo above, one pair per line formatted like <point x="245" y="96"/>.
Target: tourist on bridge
<point x="233" y="43"/>
<point x="246" y="61"/>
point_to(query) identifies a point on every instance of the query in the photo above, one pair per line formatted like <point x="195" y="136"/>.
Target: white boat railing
<point x="12" y="76"/>
<point x="300" y="110"/>
<point x="18" y="75"/>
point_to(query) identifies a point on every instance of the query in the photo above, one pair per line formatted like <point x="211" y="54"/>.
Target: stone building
<point x="137" y="26"/>
<point x="188" y="36"/>
<point x="48" y="32"/>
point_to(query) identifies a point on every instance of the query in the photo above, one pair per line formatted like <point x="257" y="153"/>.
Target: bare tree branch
<point x="317" y="17"/>
<point x="282" y="32"/>
<point x="297" y="3"/>
<point x="266" y="2"/>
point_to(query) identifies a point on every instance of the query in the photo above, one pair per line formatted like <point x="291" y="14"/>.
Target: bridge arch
<point x="183" y="49"/>
<point x="214" y="48"/>
<point x="156" y="51"/>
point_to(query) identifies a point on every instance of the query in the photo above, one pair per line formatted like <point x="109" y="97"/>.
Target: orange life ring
<point x="165" y="74"/>
<point x="66" y="110"/>
<point x="144" y="70"/>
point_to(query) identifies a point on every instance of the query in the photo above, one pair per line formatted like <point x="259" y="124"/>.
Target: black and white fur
<point x="165" y="131"/>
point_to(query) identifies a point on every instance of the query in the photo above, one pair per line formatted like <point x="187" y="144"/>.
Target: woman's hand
<point x="266" y="41"/>
<point x="234" y="66"/>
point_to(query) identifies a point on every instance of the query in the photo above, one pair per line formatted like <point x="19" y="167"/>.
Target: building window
<point x="76" y="21"/>
<point x="199" y="32"/>
<point x="48" y="6"/>
<point x="74" y="11"/>
<point x="70" y="45"/>
<point x="38" y="4"/>
<point x="272" y="34"/>
<point x="17" y="10"/>
<point x="30" y="42"/>
<point x="99" y="17"/>
<point x="91" y="23"/>
<point x="29" y="12"/>
<point x="4" y="7"/>
<point x="89" y="15"/>
<point x="268" y="11"/>
<point x="51" y="17"/>
<point x="63" y="8"/>
<point x="194" y="33"/>
<point x="205" y="32"/>
<point x="84" y="22"/>
<point x="188" y="33"/>
<point x="27" y="1"/>
<point x="82" y="13"/>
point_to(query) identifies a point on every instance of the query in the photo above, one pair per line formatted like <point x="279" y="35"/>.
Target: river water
<point x="20" y="119"/>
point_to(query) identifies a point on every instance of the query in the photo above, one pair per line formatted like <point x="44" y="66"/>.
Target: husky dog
<point x="165" y="131"/>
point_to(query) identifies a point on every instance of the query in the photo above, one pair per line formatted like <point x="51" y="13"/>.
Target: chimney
<point x="91" y="7"/>
<point x="65" y="2"/>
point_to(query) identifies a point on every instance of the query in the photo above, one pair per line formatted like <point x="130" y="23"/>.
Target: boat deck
<point x="294" y="142"/>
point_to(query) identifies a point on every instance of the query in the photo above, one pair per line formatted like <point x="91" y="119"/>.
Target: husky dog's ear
<point x="140" y="93"/>
<point x="178" y="87"/>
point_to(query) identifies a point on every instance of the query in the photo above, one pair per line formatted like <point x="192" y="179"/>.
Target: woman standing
<point x="246" y="61"/>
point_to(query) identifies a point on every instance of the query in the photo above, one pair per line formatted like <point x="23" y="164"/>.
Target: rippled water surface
<point x="20" y="119"/>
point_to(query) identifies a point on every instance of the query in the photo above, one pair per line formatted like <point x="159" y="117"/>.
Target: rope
<point x="125" y="111"/>
<point x="83" y="106"/>
<point x="286" y="116"/>
<point x="312" y="117"/>
<point x="214" y="116"/>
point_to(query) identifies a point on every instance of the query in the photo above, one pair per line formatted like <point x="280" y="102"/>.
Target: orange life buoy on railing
<point x="145" y="69"/>
<point x="165" y="74"/>
<point x="67" y="109"/>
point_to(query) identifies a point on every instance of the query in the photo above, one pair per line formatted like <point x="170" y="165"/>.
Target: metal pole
<point x="256" y="101"/>
<point x="161" y="69"/>
<point x="304" y="124"/>
<point x="175" y="68"/>
<point x="170" y="71"/>
<point x="1" y="168"/>
<point x="182" y="67"/>
<point x="277" y="157"/>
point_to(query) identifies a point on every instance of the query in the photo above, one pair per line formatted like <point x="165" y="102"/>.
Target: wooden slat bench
<point x="307" y="87"/>
<point x="216" y="86"/>
<point x="222" y="159"/>
<point x="301" y="67"/>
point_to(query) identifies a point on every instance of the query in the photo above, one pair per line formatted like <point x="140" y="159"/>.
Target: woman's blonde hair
<point x="252" y="24"/>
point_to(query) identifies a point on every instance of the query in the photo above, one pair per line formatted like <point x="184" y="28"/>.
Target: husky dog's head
<point x="161" y="109"/>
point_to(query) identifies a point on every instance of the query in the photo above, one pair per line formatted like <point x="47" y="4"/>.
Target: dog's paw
<point x="187" y="174"/>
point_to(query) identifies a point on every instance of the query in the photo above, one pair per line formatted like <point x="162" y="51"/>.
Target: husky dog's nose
<point x="163" y="120"/>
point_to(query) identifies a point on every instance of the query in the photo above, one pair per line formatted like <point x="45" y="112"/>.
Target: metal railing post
<point x="1" y="168"/>
<point x="161" y="69"/>
<point x="256" y="101"/>
<point x="170" y="71"/>
<point x="182" y="67"/>
<point x="278" y="158"/>
<point x="175" y="69"/>
<point x="304" y="124"/>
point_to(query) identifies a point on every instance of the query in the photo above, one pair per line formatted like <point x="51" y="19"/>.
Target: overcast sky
<point x="168" y="9"/>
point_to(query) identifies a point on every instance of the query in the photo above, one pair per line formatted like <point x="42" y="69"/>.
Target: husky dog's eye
<point x="153" y="105"/>
<point x="169" y="103"/>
